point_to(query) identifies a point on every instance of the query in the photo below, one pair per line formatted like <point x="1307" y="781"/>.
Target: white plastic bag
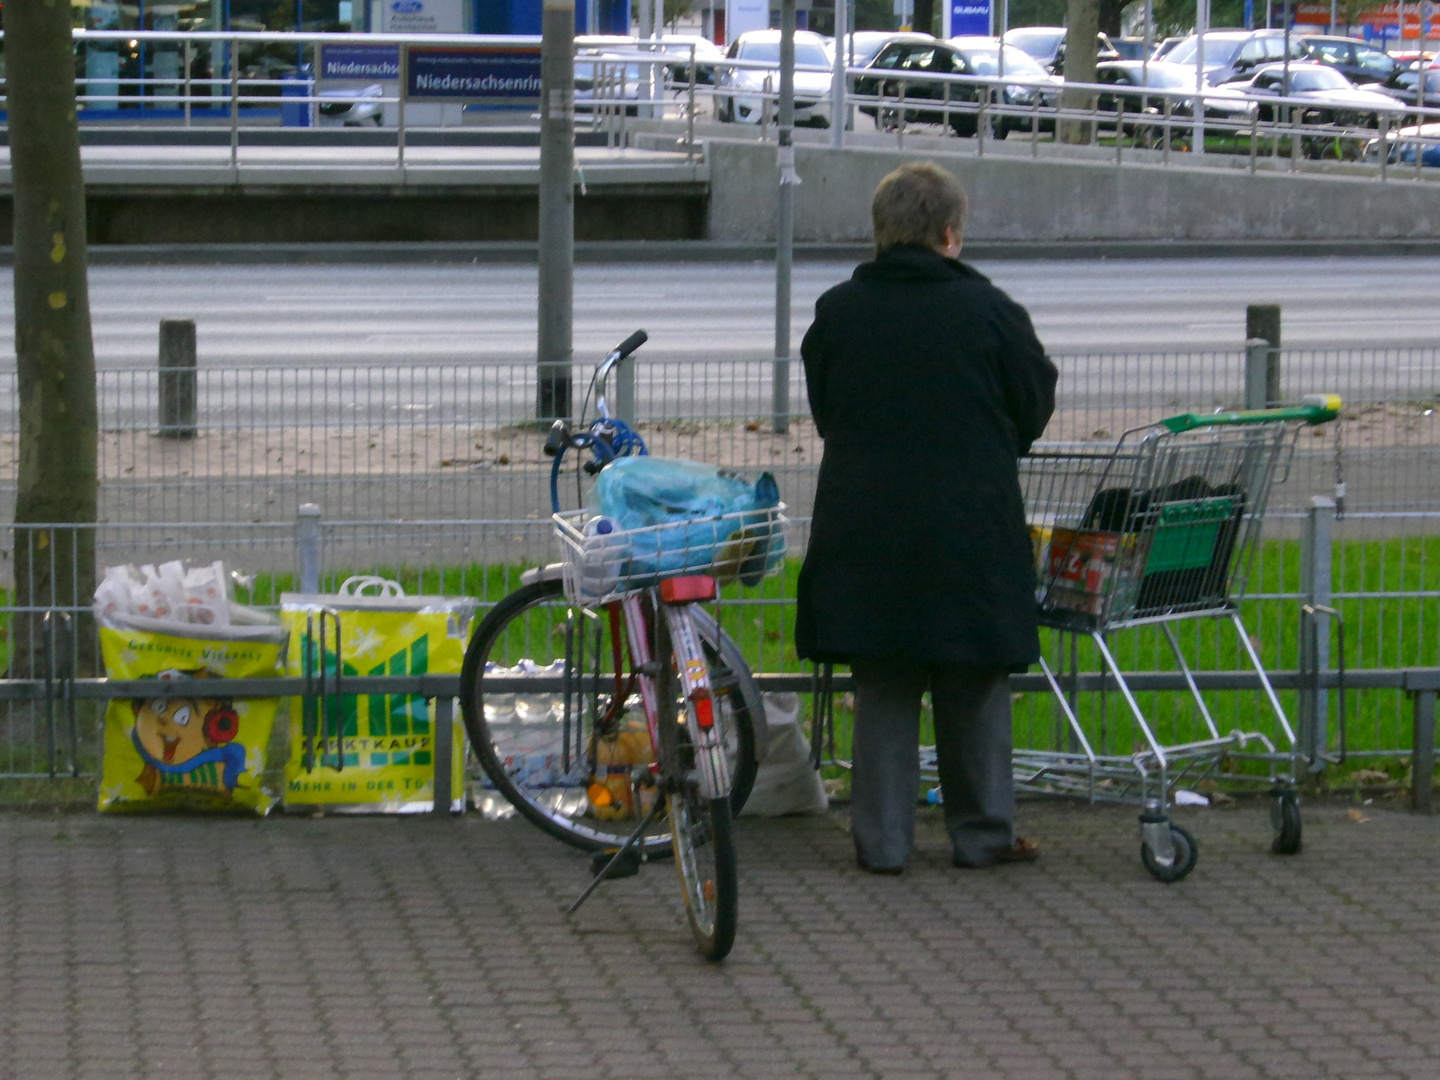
<point x="786" y="782"/>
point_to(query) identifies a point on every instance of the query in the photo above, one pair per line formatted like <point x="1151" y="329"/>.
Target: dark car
<point x="1405" y="84"/>
<point x="1356" y="60"/>
<point x="1234" y="55"/>
<point x="1328" y="97"/>
<point x="906" y="64"/>
<point x="1131" y="78"/>
<point x="1046" y="46"/>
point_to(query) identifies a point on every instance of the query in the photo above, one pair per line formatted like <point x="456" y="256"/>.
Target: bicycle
<point x="555" y="675"/>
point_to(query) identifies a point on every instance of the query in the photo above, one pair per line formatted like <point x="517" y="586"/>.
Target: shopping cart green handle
<point x="1313" y="409"/>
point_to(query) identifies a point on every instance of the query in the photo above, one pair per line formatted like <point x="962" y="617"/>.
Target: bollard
<point x="625" y="391"/>
<point x="1262" y="321"/>
<point x="1422" y="758"/>
<point x="307" y="547"/>
<point x="177" y="378"/>
<point x="442" y="720"/>
<point x="1316" y="568"/>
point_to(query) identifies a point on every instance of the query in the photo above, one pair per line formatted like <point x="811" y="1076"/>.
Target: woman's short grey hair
<point x="914" y="204"/>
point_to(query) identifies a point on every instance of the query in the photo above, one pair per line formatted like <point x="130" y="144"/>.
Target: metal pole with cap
<point x="784" y="218"/>
<point x="555" y="332"/>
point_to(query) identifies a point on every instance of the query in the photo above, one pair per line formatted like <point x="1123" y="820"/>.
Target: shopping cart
<point x="1162" y="527"/>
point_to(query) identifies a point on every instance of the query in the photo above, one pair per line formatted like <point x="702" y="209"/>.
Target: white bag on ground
<point x="786" y="782"/>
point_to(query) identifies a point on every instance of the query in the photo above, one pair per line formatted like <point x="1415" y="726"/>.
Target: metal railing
<point x="432" y="474"/>
<point x="227" y="81"/>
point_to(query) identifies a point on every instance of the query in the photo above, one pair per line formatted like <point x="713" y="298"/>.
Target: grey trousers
<point x="972" y="743"/>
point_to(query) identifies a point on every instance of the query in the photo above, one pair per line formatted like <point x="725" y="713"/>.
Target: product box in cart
<point x="1092" y="571"/>
<point x="371" y="752"/>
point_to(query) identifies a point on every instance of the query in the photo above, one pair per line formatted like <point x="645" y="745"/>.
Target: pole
<point x="1202" y="24"/>
<point x="555" y="338"/>
<point x="784" y="218"/>
<point x="837" y="77"/>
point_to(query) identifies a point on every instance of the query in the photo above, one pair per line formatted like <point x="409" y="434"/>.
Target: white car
<point x="351" y="107"/>
<point x="740" y="92"/>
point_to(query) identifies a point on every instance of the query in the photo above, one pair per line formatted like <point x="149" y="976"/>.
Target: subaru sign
<point x="497" y="75"/>
<point x="407" y="7"/>
<point x="968" y="17"/>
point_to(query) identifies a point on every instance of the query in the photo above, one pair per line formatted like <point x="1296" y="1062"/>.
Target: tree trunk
<point x="55" y="360"/>
<point x="1082" y="24"/>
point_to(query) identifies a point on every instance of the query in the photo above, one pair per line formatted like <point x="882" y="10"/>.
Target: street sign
<point x="359" y="61"/>
<point x="474" y="74"/>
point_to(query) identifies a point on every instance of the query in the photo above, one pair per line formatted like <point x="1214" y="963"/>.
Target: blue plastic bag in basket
<point x="692" y="518"/>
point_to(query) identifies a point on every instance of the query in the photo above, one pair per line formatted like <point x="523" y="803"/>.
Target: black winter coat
<point x="926" y="383"/>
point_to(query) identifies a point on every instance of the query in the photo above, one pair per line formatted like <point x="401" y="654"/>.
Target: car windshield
<point x="1017" y="62"/>
<point x="1218" y="51"/>
<point x="768" y="52"/>
<point x="1309" y="79"/>
<point x="1035" y="43"/>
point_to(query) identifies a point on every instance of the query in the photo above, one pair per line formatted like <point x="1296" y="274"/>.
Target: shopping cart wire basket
<point x="1163" y="526"/>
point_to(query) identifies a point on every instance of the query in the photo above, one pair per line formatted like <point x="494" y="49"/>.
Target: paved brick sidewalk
<point x="421" y="950"/>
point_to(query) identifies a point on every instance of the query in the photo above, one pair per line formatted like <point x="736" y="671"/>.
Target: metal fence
<point x="433" y="474"/>
<point x="236" y="83"/>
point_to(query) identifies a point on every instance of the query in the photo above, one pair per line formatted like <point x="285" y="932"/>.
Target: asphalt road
<point x="363" y="314"/>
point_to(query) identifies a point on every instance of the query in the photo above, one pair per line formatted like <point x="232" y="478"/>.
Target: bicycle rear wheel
<point x="699" y="826"/>
<point x="538" y="689"/>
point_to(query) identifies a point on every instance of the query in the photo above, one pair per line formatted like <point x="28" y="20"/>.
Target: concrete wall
<point x="1016" y="198"/>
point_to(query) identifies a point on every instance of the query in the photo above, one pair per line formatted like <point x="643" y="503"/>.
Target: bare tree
<point x="55" y="359"/>
<point x="1082" y="24"/>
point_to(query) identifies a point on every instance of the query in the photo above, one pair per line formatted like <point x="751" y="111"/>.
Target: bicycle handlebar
<point x="1313" y="409"/>
<point x="602" y="373"/>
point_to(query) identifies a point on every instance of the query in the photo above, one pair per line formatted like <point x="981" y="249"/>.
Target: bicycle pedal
<point x="627" y="865"/>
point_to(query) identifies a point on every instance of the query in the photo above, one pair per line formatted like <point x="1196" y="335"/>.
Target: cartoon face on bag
<point x="187" y="741"/>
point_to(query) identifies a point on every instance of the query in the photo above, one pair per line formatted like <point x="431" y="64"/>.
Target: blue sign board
<point x="969" y="17"/>
<point x="359" y="61"/>
<point x="508" y="75"/>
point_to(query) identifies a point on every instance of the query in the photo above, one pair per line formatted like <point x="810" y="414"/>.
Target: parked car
<point x="862" y="46"/>
<point x="1222" y="103"/>
<point x="1404" y="144"/>
<point x="707" y="56"/>
<point x="908" y="62"/>
<point x="1357" y="60"/>
<point x="1403" y="86"/>
<point x="1329" y="97"/>
<point x="607" y="82"/>
<point x="740" y="92"/>
<point x="1163" y="48"/>
<point x="351" y="107"/>
<point x="1046" y="45"/>
<point x="1235" y="55"/>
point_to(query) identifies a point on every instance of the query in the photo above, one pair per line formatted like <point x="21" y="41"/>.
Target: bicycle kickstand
<point x="615" y="859"/>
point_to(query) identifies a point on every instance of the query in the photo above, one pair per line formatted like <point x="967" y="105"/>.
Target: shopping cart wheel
<point x="1285" y="817"/>
<point x="1182" y="860"/>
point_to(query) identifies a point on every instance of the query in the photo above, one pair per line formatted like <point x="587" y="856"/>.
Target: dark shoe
<point x="887" y="871"/>
<point x="1022" y="850"/>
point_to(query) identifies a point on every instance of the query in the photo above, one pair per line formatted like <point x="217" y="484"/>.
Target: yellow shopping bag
<point x="371" y="752"/>
<point x="201" y="751"/>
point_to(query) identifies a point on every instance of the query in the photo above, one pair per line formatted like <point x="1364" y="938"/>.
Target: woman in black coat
<point x="926" y="383"/>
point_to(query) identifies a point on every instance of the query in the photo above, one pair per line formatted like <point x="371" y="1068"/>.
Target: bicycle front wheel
<point x="539" y="693"/>
<point x="700" y="829"/>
